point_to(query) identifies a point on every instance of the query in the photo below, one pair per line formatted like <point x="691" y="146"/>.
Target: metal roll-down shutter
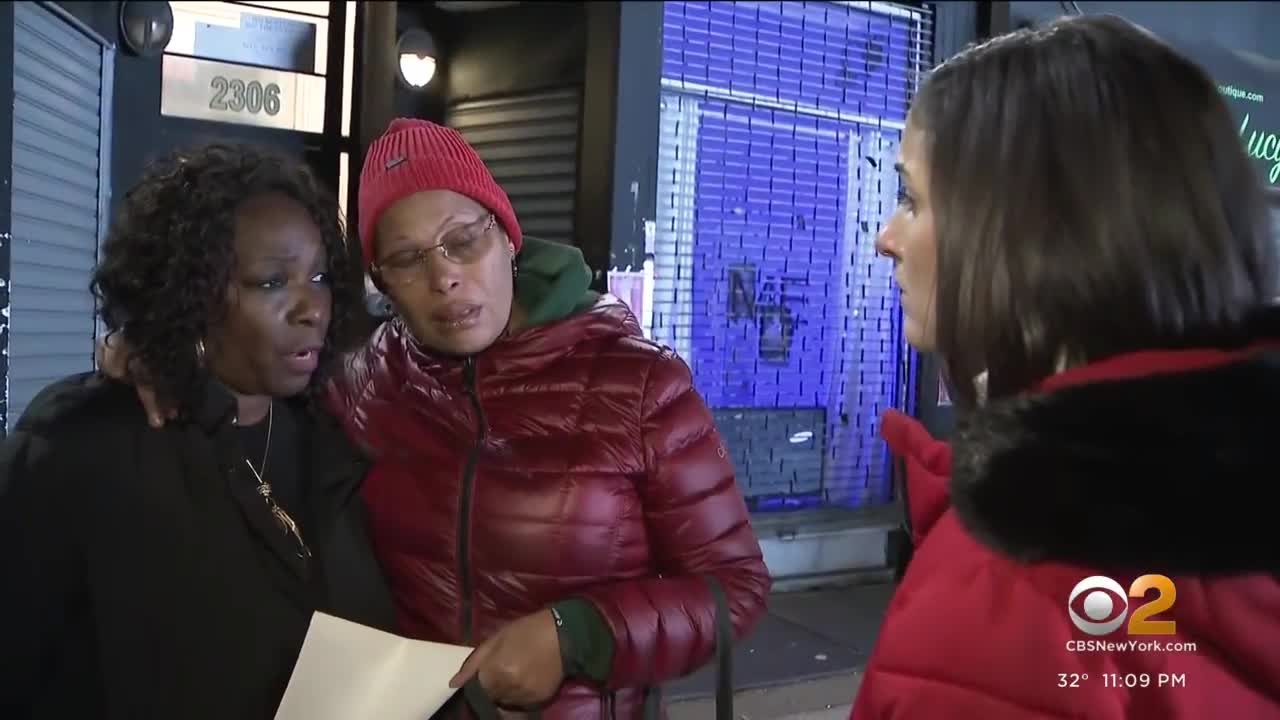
<point x="58" y="201"/>
<point x="530" y="143"/>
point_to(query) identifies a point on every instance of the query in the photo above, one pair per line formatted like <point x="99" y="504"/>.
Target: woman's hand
<point x="520" y="665"/>
<point x="112" y="356"/>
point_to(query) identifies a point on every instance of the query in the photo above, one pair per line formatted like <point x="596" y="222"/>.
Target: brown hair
<point x="1090" y="197"/>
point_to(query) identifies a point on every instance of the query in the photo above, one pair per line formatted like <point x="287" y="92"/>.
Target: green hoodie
<point x="553" y="282"/>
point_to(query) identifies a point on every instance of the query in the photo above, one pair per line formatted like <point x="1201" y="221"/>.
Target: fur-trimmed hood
<point x="1165" y="460"/>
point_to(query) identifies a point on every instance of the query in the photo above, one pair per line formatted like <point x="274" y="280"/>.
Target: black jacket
<point x="142" y="576"/>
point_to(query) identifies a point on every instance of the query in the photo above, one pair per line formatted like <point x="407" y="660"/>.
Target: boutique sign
<point x="1250" y="84"/>
<point x="1261" y="142"/>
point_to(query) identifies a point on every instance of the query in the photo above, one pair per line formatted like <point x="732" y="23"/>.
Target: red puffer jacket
<point x="574" y="459"/>
<point x="1142" y="464"/>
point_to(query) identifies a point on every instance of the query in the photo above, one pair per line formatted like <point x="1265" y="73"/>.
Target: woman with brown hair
<point x="1082" y="240"/>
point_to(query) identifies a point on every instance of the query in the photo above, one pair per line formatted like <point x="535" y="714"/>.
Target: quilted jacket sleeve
<point x="665" y="626"/>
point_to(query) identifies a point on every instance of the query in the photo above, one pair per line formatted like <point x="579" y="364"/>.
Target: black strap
<point x="900" y="486"/>
<point x="724" y="662"/>
<point x="481" y="706"/>
<point x="901" y="540"/>
<point x="724" y="652"/>
<point x="652" y="703"/>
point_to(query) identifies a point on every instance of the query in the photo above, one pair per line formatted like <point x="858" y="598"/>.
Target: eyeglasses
<point x="461" y="246"/>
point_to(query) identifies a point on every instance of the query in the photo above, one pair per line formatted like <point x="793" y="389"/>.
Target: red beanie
<point x="414" y="156"/>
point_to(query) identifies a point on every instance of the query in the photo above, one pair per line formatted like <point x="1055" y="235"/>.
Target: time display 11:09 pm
<point x="1124" y="680"/>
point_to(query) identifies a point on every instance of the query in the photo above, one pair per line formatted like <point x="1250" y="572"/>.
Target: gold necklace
<point x="282" y="517"/>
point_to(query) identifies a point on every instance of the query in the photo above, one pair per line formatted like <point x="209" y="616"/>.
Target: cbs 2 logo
<point x="1098" y="605"/>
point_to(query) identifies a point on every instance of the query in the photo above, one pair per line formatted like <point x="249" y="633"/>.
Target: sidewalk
<point x="829" y="699"/>
<point x="803" y="662"/>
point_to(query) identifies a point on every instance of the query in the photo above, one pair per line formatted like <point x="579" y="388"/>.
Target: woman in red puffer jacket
<point x="547" y="485"/>
<point x="1082" y="239"/>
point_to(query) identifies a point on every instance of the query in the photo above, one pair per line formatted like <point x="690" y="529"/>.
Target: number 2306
<point x="237" y="95"/>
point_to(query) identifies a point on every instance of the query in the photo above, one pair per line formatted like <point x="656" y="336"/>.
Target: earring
<point x="515" y="269"/>
<point x="200" y="352"/>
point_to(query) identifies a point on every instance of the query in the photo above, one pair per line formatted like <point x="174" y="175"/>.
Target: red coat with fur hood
<point x="1151" y="463"/>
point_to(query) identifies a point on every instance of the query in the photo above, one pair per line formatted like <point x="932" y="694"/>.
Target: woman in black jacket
<point x="172" y="573"/>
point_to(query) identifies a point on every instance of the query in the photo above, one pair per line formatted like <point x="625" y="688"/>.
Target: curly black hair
<point x="164" y="270"/>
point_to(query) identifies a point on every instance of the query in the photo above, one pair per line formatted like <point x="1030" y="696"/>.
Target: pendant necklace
<point x="282" y="517"/>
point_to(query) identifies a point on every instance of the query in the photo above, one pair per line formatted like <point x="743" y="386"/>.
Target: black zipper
<point x="464" y="515"/>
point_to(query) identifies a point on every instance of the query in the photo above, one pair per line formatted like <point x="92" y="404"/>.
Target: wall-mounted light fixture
<point x="146" y="27"/>
<point x="417" y="51"/>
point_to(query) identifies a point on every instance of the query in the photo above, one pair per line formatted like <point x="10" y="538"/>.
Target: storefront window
<point x="779" y="127"/>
